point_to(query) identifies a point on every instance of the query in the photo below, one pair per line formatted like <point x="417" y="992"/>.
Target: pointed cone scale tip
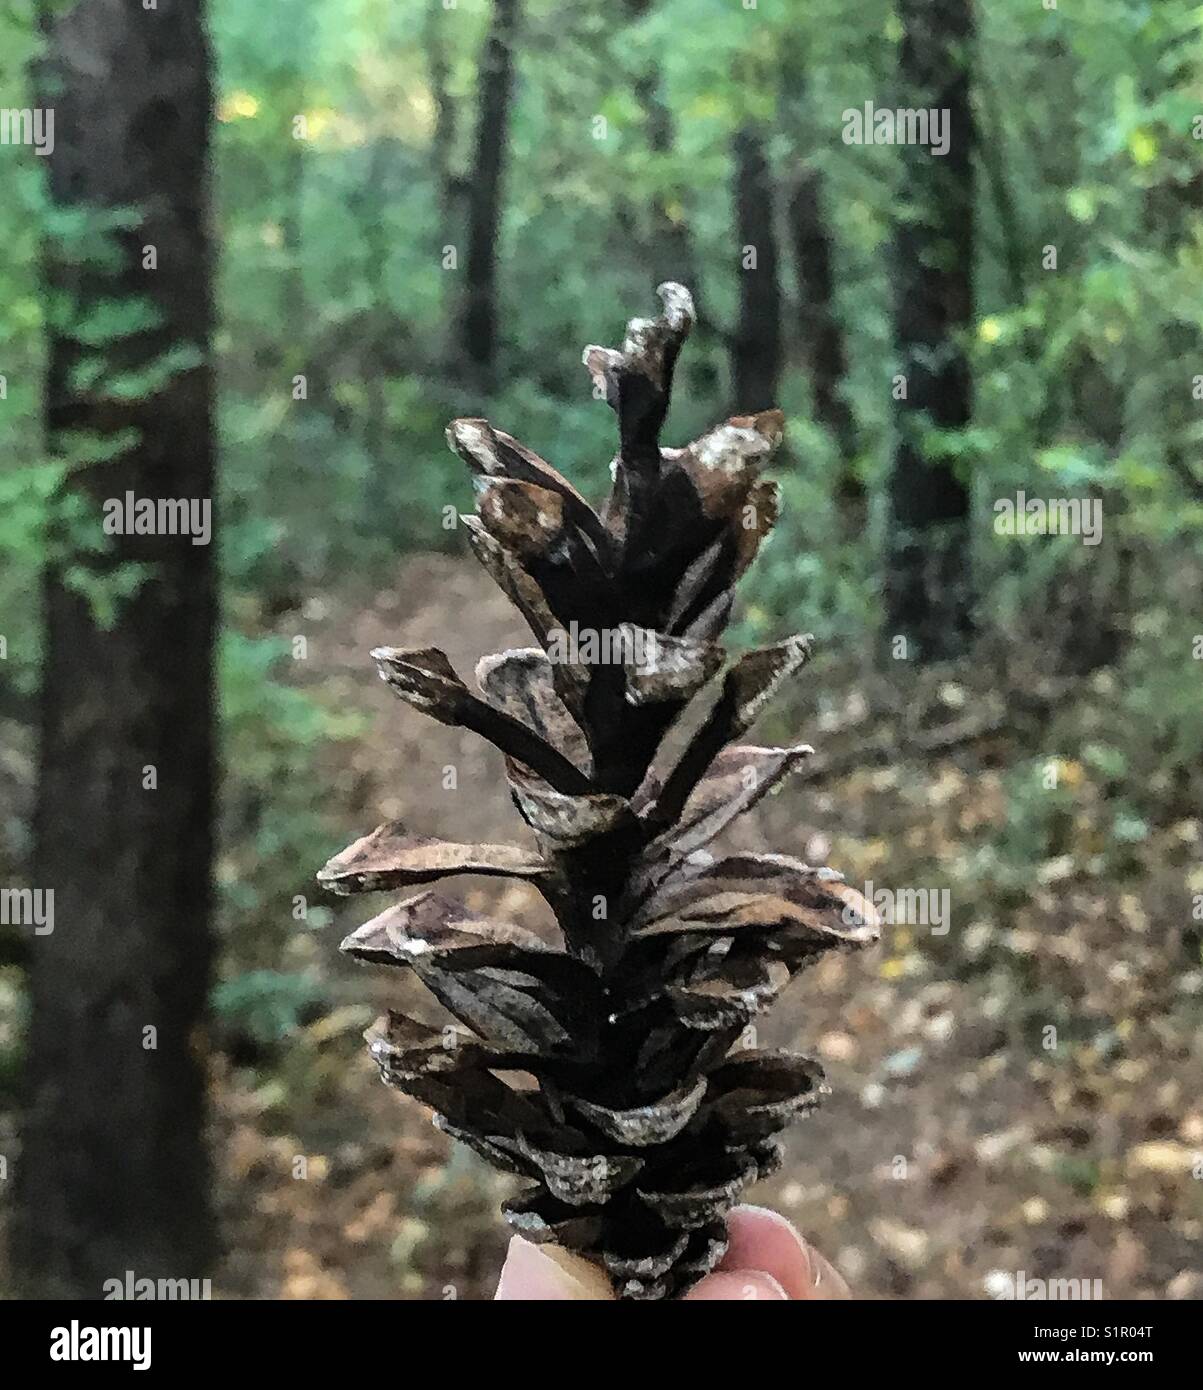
<point x="350" y="943"/>
<point x="598" y="358"/>
<point x="470" y="434"/>
<point x="374" y="936"/>
<point x="678" y="305"/>
<point x="769" y="424"/>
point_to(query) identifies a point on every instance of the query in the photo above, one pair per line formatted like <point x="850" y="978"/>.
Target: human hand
<point x="766" y="1260"/>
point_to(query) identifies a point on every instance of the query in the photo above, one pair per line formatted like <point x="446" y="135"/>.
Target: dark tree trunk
<point x="478" y="324"/>
<point x="378" y="329"/>
<point x="820" y="333"/>
<point x="928" y="593"/>
<point x="442" y="143"/>
<point x="820" y="330"/>
<point x="292" y="299"/>
<point x="113" y="1173"/>
<point x="756" y="348"/>
<point x="672" y="254"/>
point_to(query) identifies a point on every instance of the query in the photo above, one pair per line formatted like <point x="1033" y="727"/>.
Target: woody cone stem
<point x="648" y="1118"/>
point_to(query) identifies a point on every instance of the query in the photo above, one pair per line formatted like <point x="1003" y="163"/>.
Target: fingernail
<point x="828" y="1283"/>
<point x="737" y="1286"/>
<point x="547" y="1274"/>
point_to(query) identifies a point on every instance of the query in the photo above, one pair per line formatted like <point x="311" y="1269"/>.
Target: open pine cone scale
<point x="609" y="1073"/>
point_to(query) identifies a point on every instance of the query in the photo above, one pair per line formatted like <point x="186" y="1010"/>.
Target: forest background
<point x="376" y="216"/>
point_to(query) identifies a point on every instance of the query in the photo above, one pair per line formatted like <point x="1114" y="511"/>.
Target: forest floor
<point x="963" y="1142"/>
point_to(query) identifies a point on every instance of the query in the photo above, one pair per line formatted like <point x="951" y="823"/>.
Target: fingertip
<point x="545" y="1273"/>
<point x="828" y="1284"/>
<point x="737" y="1286"/>
<point x="762" y="1239"/>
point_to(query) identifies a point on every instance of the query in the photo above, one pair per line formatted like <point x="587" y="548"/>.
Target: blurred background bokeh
<point x="422" y="209"/>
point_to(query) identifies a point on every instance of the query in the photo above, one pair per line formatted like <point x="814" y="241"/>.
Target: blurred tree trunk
<point x="478" y="322"/>
<point x="819" y="329"/>
<point x="672" y="250"/>
<point x="378" y="328"/>
<point x="113" y="1173"/>
<point x="928" y="591"/>
<point x="756" y="348"/>
<point x="442" y="142"/>
<point x="291" y="169"/>
<point x="671" y="253"/>
<point x="820" y="333"/>
<point x="293" y="296"/>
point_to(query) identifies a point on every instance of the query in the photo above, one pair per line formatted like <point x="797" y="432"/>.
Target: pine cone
<point x="647" y="1120"/>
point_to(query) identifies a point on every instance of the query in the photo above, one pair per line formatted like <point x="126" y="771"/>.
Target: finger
<point x="829" y="1284"/>
<point x="549" y="1274"/>
<point x="762" y="1239"/>
<point x="737" y="1285"/>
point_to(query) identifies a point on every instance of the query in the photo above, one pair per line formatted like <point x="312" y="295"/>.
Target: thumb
<point x="549" y="1274"/>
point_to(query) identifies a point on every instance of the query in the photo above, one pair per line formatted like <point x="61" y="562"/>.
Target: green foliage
<point x="1159" y="714"/>
<point x="267" y="1005"/>
<point x="1038" y="831"/>
<point x="106" y="591"/>
<point x="272" y="822"/>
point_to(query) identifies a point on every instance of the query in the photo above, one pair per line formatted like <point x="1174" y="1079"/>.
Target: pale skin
<point x="766" y="1261"/>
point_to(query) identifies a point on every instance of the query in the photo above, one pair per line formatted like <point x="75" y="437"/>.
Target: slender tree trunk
<point x="820" y="333"/>
<point x="928" y="594"/>
<point x="756" y="349"/>
<point x="292" y="299"/>
<point x="371" y="205"/>
<point x="292" y="173"/>
<point x="442" y="144"/>
<point x="820" y="330"/>
<point x="671" y="253"/>
<point x="478" y="324"/>
<point x="112" y="1174"/>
